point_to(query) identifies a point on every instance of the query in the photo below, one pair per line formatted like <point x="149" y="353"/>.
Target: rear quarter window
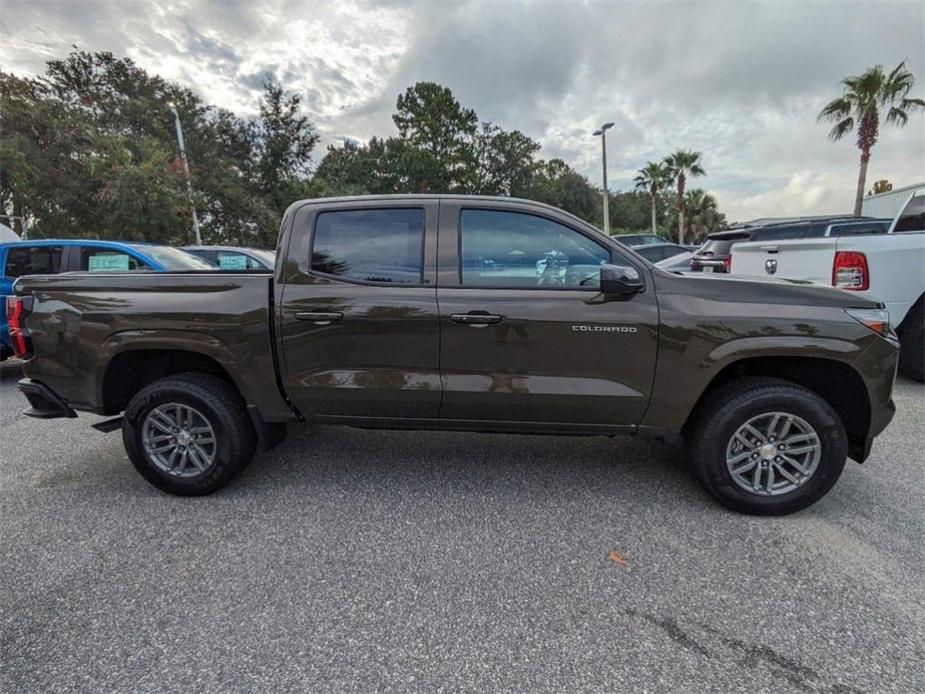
<point x="33" y="260"/>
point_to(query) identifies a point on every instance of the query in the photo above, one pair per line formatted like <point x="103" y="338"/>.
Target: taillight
<point x="16" y="309"/>
<point x="849" y="271"/>
<point x="727" y="261"/>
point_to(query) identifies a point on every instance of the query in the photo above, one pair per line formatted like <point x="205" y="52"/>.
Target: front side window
<point x="517" y="250"/>
<point x="33" y="260"/>
<point x="384" y="245"/>
<point x="108" y="260"/>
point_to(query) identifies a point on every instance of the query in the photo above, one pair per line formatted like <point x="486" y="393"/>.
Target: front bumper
<point x="46" y="403"/>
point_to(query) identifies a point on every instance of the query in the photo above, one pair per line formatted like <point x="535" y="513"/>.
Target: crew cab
<point x="888" y="267"/>
<point x="463" y="313"/>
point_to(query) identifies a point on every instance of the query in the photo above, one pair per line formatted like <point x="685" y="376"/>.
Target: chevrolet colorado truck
<point x="463" y="313"/>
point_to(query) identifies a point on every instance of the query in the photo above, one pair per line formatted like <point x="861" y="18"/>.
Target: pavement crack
<point x="674" y="631"/>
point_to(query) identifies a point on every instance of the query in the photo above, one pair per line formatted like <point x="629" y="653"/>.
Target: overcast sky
<point x="740" y="81"/>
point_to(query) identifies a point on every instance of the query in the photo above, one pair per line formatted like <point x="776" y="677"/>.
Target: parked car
<point x="233" y="258"/>
<point x="639" y="239"/>
<point x="383" y="313"/>
<point x="50" y="257"/>
<point x="676" y="263"/>
<point x="888" y="267"/>
<point x="715" y="255"/>
<point x="655" y="252"/>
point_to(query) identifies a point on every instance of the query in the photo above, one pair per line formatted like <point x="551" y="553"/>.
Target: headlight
<point x="877" y="319"/>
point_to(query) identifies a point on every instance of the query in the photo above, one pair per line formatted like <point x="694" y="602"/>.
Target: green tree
<point x="504" y="161"/>
<point x="653" y="178"/>
<point x="438" y="133"/>
<point x="703" y="214"/>
<point x="682" y="165"/>
<point x="864" y="99"/>
<point x="88" y="149"/>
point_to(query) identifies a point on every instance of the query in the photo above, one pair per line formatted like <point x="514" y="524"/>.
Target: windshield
<point x="173" y="258"/>
<point x="268" y="258"/>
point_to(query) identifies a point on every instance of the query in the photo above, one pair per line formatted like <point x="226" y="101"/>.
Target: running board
<point x="108" y="425"/>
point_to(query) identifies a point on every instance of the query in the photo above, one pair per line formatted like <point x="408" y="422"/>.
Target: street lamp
<point x="189" y="184"/>
<point x="602" y="131"/>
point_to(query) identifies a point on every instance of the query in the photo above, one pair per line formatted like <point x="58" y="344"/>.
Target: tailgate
<point x="798" y="259"/>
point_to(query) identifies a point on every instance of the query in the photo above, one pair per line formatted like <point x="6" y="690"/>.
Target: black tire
<point x="912" y="339"/>
<point x="220" y="404"/>
<point x="732" y="405"/>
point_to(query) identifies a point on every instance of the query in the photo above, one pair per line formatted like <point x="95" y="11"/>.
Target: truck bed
<point x="90" y="331"/>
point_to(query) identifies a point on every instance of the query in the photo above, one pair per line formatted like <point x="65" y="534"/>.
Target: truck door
<point x="525" y="334"/>
<point x="357" y="309"/>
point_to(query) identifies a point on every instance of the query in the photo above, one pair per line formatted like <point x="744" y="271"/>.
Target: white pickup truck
<point x="889" y="267"/>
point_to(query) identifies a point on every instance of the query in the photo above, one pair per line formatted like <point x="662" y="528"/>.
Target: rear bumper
<point x="45" y="403"/>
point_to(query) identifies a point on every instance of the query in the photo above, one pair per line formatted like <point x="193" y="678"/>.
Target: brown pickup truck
<point x="463" y="313"/>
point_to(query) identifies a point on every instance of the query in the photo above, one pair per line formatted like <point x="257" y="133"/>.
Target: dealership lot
<point x="363" y="560"/>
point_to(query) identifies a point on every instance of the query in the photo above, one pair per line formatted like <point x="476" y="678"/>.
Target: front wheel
<point x="188" y="434"/>
<point x="767" y="446"/>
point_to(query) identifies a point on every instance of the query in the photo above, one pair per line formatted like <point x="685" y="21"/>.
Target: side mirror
<point x="621" y="280"/>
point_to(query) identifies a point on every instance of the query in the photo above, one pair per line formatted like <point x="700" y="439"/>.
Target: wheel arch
<point x="834" y="381"/>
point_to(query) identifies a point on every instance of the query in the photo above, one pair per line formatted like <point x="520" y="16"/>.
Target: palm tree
<point x="703" y="213"/>
<point x="863" y="99"/>
<point x="652" y="179"/>
<point x="682" y="165"/>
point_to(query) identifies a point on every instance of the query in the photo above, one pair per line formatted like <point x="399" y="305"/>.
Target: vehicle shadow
<point x="336" y="460"/>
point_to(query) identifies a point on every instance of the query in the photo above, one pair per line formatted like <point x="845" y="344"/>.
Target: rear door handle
<point x="475" y="319"/>
<point x="319" y="317"/>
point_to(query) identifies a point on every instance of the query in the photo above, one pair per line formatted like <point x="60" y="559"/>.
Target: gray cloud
<point x="741" y="82"/>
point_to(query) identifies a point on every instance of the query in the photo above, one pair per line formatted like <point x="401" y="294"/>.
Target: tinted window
<point x="720" y="246"/>
<point x="370" y="245"/>
<point x="858" y="229"/>
<point x="913" y="216"/>
<point x="107" y="259"/>
<point x="33" y="260"/>
<point x="512" y="249"/>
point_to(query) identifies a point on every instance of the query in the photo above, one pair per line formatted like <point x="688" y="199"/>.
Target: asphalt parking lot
<point x="349" y="560"/>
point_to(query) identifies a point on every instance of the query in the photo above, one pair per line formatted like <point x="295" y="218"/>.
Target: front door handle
<point x="319" y="317"/>
<point x="475" y="319"/>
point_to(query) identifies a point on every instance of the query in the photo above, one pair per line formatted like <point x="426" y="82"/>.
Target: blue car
<point x="49" y="257"/>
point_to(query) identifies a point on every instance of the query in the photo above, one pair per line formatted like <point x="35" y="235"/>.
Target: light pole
<point x="602" y="131"/>
<point x="189" y="184"/>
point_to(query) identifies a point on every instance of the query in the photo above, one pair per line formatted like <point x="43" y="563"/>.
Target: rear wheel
<point x="188" y="434"/>
<point x="766" y="446"/>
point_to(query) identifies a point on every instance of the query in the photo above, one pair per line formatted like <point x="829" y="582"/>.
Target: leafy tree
<point x="439" y="136"/>
<point x="653" y="178"/>
<point x="703" y="213"/>
<point x="88" y="149"/>
<point x="864" y="99"/>
<point x="682" y="165"/>
<point x="504" y="161"/>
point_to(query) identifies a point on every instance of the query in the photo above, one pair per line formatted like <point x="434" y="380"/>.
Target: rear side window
<point x="236" y="261"/>
<point x="859" y="229"/>
<point x="370" y="245"/>
<point x="913" y="216"/>
<point x="108" y="260"/>
<point x="33" y="260"/>
<point x="720" y="246"/>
